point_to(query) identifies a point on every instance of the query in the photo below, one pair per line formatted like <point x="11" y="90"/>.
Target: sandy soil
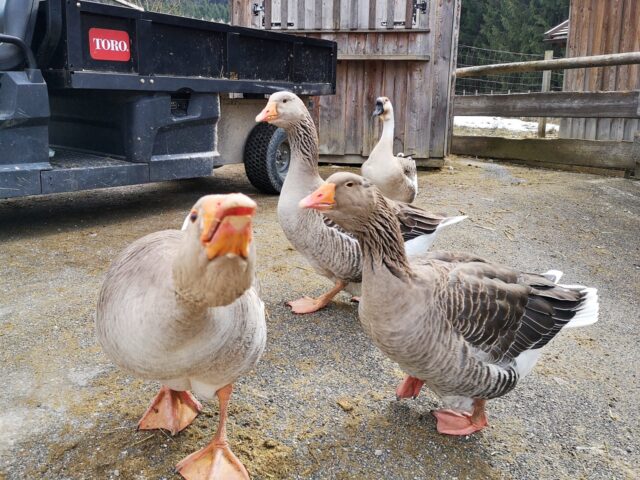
<point x="321" y="403"/>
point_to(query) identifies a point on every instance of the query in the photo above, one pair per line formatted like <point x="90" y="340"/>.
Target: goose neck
<point x="303" y="141"/>
<point x="382" y="243"/>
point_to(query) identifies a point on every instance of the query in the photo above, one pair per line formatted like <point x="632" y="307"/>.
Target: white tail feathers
<point x="422" y="244"/>
<point x="450" y="221"/>
<point x="553" y="275"/>
<point x="588" y="314"/>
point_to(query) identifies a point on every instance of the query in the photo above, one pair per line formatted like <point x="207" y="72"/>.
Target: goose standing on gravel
<point x="468" y="328"/>
<point x="395" y="176"/>
<point x="332" y="252"/>
<point x="181" y="307"/>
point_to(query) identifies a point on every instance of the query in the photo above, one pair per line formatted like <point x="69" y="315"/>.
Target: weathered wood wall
<point x="599" y="27"/>
<point x="385" y="48"/>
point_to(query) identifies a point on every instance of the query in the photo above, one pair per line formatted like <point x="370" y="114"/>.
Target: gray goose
<point x="181" y="307"/>
<point x="332" y="252"/>
<point x="468" y="328"/>
<point x="395" y="176"/>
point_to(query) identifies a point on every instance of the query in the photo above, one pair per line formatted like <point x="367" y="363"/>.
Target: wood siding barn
<point x="600" y="27"/>
<point x="402" y="49"/>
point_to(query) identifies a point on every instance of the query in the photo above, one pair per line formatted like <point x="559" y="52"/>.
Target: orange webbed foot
<point x="306" y="305"/>
<point x="216" y="461"/>
<point x="170" y="410"/>
<point x="451" y="422"/>
<point x="409" y="388"/>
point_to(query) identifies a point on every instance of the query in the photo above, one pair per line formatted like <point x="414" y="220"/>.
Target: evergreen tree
<point x="512" y="25"/>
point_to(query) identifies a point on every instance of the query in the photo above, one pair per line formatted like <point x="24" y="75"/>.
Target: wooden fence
<point x="602" y="27"/>
<point x="402" y="49"/>
<point x="573" y="153"/>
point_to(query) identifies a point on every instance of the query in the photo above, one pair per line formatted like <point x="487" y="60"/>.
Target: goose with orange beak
<point x="333" y="253"/>
<point x="467" y="328"/>
<point x="181" y="308"/>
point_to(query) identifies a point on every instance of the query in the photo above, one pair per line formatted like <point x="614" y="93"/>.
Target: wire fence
<point x="524" y="82"/>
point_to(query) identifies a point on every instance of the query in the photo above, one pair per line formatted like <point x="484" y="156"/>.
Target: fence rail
<point x="552" y="104"/>
<point x="612" y="59"/>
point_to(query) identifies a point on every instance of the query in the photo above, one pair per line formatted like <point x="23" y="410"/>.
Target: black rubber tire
<point x="260" y="157"/>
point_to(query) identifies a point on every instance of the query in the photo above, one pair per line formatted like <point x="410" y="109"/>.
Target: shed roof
<point x="557" y="34"/>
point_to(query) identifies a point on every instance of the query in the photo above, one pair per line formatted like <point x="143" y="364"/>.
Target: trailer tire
<point x="266" y="157"/>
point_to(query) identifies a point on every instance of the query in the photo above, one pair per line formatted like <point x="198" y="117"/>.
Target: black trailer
<point x="94" y="96"/>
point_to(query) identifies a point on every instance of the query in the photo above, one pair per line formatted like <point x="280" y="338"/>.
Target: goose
<point x="181" y="307"/>
<point x="396" y="176"/>
<point x="468" y="328"/>
<point x="332" y="252"/>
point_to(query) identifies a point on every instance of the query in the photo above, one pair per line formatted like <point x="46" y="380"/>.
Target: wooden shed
<point x="403" y="49"/>
<point x="600" y="27"/>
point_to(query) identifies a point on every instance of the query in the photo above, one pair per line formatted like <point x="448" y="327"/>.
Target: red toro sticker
<point x="112" y="45"/>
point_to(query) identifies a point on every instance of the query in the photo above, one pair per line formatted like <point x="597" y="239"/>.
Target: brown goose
<point x="332" y="252"/>
<point x="181" y="307"/>
<point x="468" y="328"/>
<point x="396" y="176"/>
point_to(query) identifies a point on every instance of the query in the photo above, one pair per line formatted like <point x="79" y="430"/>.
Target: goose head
<point x="216" y="259"/>
<point x="346" y="199"/>
<point x="283" y="110"/>
<point x="383" y="108"/>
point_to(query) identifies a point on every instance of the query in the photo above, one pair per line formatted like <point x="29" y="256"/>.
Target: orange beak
<point x="269" y="113"/>
<point x="322" y="199"/>
<point x="226" y="225"/>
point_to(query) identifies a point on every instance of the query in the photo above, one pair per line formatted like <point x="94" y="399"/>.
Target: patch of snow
<point x="500" y="123"/>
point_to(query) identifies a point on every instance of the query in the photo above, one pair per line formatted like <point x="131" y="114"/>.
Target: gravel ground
<point x="321" y="403"/>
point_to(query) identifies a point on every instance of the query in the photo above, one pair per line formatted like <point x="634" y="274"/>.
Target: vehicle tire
<point x="266" y="157"/>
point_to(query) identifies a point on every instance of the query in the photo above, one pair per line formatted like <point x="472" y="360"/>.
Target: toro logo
<point x="110" y="45"/>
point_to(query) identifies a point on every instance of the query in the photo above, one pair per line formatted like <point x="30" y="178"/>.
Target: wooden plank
<point x="353" y="108"/>
<point x="391" y="11"/>
<point x="336" y="14"/>
<point x="588" y="153"/>
<point x="332" y="115"/>
<point x="441" y="59"/>
<point x="354" y="160"/>
<point x="284" y="14"/>
<point x="301" y="16"/>
<point x="318" y="14"/>
<point x="267" y="14"/>
<point x="552" y="104"/>
<point x="558" y="64"/>
<point x="372" y="14"/>
<point x="546" y="86"/>
<point x="366" y="57"/>
<point x="400" y="97"/>
<point x="591" y="75"/>
<point x="417" y="125"/>
<point x="452" y="75"/>
<point x="353" y="15"/>
<point x="371" y="127"/>
<point x="408" y="14"/>
<point x="309" y="18"/>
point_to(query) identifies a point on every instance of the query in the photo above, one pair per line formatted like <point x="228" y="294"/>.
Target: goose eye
<point x="348" y="184"/>
<point x="193" y="216"/>
<point x="284" y="101"/>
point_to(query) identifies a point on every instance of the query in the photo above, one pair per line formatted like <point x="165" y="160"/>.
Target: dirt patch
<point x="321" y="403"/>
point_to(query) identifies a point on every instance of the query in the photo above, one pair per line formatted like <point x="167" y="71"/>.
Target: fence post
<point x="546" y="86"/>
<point x="635" y="153"/>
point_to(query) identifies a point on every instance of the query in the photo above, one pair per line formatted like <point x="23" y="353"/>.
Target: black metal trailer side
<point x="115" y="96"/>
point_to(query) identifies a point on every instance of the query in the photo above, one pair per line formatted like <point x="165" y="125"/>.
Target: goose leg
<point x="309" y="305"/>
<point x="170" y="410"/>
<point x="409" y="388"/>
<point x="456" y="423"/>
<point x="216" y="461"/>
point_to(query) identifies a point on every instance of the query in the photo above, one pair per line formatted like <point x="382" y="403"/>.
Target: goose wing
<point x="504" y="312"/>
